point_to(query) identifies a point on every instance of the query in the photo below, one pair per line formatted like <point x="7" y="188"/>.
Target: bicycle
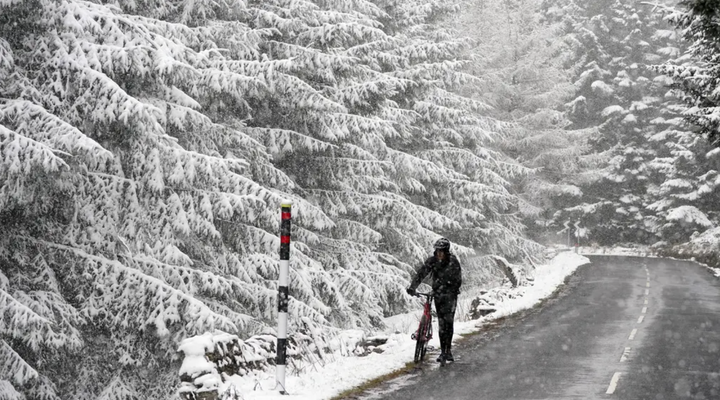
<point x="424" y="332"/>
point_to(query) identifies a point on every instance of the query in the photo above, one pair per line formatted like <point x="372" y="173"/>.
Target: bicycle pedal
<point x="414" y="336"/>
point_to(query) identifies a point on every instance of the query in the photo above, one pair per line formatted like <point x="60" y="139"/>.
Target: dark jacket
<point x="446" y="276"/>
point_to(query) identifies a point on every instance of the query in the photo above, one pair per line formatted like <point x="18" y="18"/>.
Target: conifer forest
<point x="146" y="146"/>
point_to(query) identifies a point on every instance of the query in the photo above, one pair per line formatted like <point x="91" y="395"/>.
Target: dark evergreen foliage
<point x="697" y="76"/>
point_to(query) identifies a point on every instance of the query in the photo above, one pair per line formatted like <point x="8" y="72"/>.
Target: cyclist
<point x="446" y="274"/>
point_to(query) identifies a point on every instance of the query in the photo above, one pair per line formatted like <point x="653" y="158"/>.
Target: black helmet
<point x="442" y="244"/>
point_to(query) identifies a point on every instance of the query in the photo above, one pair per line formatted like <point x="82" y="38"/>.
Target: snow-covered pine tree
<point x="695" y="75"/>
<point x="523" y="70"/>
<point x="146" y="146"/>
<point x="132" y="190"/>
<point x="683" y="201"/>
<point x="366" y="176"/>
<point x="341" y="170"/>
<point x="625" y="99"/>
<point x="446" y="164"/>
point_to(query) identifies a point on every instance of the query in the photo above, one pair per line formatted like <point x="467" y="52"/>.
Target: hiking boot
<point x="448" y="356"/>
<point x="441" y="357"/>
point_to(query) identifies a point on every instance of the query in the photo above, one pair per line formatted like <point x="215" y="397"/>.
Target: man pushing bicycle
<point x="446" y="274"/>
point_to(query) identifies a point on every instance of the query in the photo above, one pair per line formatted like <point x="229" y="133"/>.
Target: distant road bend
<point x="623" y="328"/>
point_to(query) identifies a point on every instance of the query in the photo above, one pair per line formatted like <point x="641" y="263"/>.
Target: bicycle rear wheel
<point x="419" y="352"/>
<point x="421" y="343"/>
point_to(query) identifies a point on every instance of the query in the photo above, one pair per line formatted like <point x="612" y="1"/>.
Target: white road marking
<point x="647" y="292"/>
<point x="640" y="320"/>
<point x="632" y="334"/>
<point x="626" y="354"/>
<point x="613" y="383"/>
<point x="644" y="310"/>
<point x="647" y="284"/>
<point x="646" y="301"/>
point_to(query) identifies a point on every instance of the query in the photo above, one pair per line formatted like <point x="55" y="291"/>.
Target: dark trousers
<point x="445" y="308"/>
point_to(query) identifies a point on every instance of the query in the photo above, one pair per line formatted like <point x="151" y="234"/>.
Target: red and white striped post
<point x="285" y="211"/>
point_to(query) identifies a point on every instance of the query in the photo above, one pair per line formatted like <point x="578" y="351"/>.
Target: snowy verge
<point x="639" y="251"/>
<point x="340" y="371"/>
<point x="702" y="248"/>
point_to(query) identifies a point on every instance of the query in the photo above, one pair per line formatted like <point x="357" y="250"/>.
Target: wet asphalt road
<point x="622" y="328"/>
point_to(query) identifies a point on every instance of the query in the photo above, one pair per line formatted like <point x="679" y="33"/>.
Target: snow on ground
<point x="641" y="251"/>
<point x="326" y="379"/>
<point x="706" y="243"/>
<point x="709" y="238"/>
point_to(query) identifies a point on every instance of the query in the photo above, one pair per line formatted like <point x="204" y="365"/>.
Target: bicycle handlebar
<point x="428" y="294"/>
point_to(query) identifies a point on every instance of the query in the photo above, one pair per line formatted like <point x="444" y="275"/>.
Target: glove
<point x="411" y="292"/>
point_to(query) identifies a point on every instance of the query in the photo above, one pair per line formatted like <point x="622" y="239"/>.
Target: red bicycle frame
<point x="424" y="332"/>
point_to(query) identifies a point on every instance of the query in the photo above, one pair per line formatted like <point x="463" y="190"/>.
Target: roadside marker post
<point x="283" y="293"/>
